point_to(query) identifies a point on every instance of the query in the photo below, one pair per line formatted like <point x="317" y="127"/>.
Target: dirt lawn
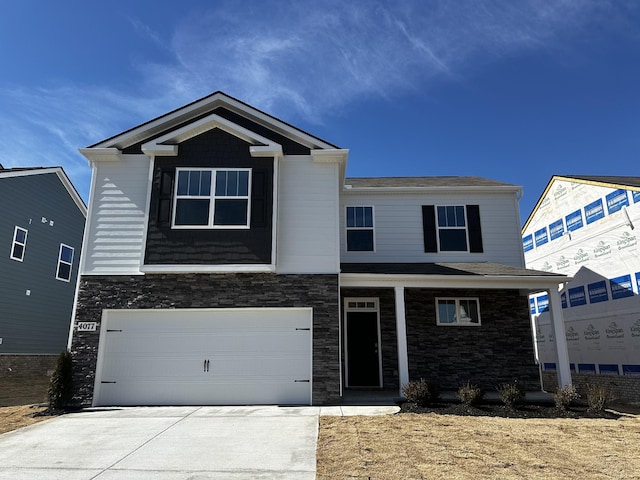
<point x="20" y="398"/>
<point x="431" y="446"/>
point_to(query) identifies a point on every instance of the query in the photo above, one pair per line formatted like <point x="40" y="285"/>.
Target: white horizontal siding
<point x="307" y="209"/>
<point x="398" y="231"/>
<point x="116" y="224"/>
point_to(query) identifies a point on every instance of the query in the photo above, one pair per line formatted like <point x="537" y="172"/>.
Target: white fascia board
<point x="452" y="281"/>
<point x="333" y="155"/>
<point x="330" y="155"/>
<point x="249" y="268"/>
<point x="101" y="154"/>
<point x="167" y="144"/>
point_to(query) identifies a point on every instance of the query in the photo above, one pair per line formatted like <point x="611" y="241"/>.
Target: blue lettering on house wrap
<point x="616" y="200"/>
<point x="556" y="229"/>
<point x="574" y="220"/>
<point x="543" y="303"/>
<point x="621" y="287"/>
<point x="577" y="296"/>
<point x="527" y="243"/>
<point x="541" y="237"/>
<point x="598" y="292"/>
<point x="636" y="196"/>
<point x="594" y="211"/>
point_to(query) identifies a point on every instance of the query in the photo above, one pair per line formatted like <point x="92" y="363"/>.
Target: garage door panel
<point x="159" y="357"/>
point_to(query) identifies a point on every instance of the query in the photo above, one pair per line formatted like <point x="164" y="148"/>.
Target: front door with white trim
<point x="362" y="341"/>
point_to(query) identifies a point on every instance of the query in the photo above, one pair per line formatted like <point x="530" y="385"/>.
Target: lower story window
<point x="458" y="311"/>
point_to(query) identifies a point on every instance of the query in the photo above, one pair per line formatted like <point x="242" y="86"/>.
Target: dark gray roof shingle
<point x="458" y="268"/>
<point x="424" y="182"/>
<point x="608" y="179"/>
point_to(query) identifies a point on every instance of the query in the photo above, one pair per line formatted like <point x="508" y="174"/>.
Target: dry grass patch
<point x="430" y="446"/>
<point x="20" y="399"/>
<point x="12" y="418"/>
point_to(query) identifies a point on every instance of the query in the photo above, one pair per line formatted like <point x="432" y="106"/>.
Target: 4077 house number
<point x="87" y="326"/>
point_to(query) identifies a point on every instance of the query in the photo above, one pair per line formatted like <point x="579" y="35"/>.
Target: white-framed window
<point x="359" y="222"/>
<point x="212" y="198"/>
<point x="65" y="263"/>
<point x="458" y="311"/>
<point x="19" y="244"/>
<point x="452" y="228"/>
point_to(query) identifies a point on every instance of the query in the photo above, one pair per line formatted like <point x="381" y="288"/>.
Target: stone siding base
<point x="27" y="365"/>
<point x="624" y="388"/>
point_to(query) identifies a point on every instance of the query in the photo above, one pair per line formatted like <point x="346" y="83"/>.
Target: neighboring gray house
<point x="242" y="267"/>
<point x="41" y="227"/>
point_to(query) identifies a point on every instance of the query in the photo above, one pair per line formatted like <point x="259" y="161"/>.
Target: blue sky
<point x="512" y="90"/>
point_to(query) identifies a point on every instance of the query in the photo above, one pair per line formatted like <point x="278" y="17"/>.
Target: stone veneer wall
<point x="27" y="365"/>
<point x="624" y="388"/>
<point x="498" y="351"/>
<point x="388" y="331"/>
<point x="233" y="290"/>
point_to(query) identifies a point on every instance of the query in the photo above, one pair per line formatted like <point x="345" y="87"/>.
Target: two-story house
<point x="228" y="260"/>
<point x="41" y="224"/>
<point x="586" y="227"/>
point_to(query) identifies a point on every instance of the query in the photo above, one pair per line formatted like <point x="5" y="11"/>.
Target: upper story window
<point x="19" y="244"/>
<point x="65" y="262"/>
<point x="359" y="229"/>
<point x="458" y="311"/>
<point x="212" y="198"/>
<point x="452" y="228"/>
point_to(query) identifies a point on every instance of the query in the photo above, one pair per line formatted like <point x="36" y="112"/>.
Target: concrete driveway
<point x="171" y="443"/>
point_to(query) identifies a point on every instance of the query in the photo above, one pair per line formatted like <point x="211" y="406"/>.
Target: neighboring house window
<point x="359" y="229"/>
<point x="19" y="244"/>
<point x="65" y="262"/>
<point x="458" y="311"/>
<point x="212" y="198"/>
<point x="452" y="228"/>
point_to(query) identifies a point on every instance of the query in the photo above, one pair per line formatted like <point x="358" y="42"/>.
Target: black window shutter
<point x="258" y="199"/>
<point x="429" y="228"/>
<point x="475" y="232"/>
<point x="165" y="197"/>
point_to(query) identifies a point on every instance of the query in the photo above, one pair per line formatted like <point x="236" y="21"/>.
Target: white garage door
<point x="204" y="357"/>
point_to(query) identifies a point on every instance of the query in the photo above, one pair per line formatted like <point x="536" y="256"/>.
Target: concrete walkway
<point x="171" y="443"/>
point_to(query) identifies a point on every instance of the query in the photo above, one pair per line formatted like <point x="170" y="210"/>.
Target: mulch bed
<point x="497" y="409"/>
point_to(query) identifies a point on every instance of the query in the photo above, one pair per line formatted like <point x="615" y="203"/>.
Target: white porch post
<point x="401" y="326"/>
<point x="562" y="352"/>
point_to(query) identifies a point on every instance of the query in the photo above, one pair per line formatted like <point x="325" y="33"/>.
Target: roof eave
<point x="514" y="282"/>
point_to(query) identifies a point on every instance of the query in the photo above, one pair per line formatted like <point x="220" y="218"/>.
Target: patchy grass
<point x="21" y="399"/>
<point x="421" y="446"/>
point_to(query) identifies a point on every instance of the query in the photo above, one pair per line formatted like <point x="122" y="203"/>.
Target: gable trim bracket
<point x="168" y="144"/>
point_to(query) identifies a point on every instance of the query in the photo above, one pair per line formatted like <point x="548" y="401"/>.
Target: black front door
<point x="363" y="367"/>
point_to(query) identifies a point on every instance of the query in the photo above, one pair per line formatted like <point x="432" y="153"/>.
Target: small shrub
<point x="512" y="394"/>
<point x="598" y="397"/>
<point x="420" y="392"/>
<point x="470" y="394"/>
<point x="60" y="393"/>
<point x="565" y="396"/>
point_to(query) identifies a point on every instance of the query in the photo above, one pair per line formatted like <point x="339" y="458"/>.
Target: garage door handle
<point x="206" y="366"/>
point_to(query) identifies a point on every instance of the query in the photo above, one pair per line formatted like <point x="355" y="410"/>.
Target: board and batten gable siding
<point x="399" y="235"/>
<point x="116" y="223"/>
<point x="37" y="322"/>
<point x="307" y="216"/>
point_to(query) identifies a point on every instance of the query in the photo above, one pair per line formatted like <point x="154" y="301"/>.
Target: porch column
<point x="401" y="327"/>
<point x="562" y="352"/>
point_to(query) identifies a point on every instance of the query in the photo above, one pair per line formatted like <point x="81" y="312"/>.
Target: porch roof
<point x="453" y="275"/>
